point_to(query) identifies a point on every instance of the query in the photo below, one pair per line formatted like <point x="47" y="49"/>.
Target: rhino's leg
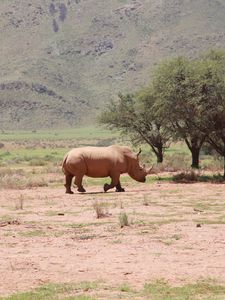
<point x="78" y="182"/>
<point x="119" y="188"/>
<point x="68" y="184"/>
<point x="114" y="182"/>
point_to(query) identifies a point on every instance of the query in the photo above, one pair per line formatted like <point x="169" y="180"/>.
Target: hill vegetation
<point x="62" y="61"/>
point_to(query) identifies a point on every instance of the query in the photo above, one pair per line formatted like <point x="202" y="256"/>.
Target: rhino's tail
<point x="63" y="163"/>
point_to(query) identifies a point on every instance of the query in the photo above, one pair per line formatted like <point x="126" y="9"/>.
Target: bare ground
<point x="175" y="232"/>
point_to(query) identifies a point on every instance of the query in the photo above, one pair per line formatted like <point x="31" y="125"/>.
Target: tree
<point x="175" y="87"/>
<point x="211" y="98"/>
<point x="135" y="117"/>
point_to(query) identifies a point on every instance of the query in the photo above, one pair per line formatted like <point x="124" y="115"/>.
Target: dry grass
<point x="20" y="180"/>
<point x="100" y="209"/>
<point x="197" y="176"/>
<point x="123" y="220"/>
<point x="186" y="177"/>
<point x="20" y="203"/>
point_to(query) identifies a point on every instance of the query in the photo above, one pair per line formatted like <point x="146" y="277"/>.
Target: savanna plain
<point x="157" y="240"/>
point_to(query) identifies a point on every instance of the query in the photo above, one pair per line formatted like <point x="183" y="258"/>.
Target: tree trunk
<point x="224" y="167"/>
<point x="224" y="161"/>
<point x="159" y="155"/>
<point x="195" y="158"/>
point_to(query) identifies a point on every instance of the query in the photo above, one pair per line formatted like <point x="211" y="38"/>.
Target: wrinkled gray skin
<point x="101" y="162"/>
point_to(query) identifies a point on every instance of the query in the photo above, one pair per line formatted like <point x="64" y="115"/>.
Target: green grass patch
<point x="35" y="157"/>
<point x="33" y="233"/>
<point x="92" y="132"/>
<point x="125" y="287"/>
<point x="161" y="290"/>
<point x="156" y="290"/>
<point x="83" y="225"/>
<point x="56" y="291"/>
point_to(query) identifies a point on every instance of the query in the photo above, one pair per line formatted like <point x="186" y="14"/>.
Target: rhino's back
<point x="97" y="161"/>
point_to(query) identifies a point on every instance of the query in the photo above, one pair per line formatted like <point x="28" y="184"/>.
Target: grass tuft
<point x="161" y="290"/>
<point x="100" y="210"/>
<point x="123" y="220"/>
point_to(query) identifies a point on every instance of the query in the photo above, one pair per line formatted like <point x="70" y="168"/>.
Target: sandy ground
<point x="175" y="232"/>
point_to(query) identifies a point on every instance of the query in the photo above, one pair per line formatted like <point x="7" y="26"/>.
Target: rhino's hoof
<point x="106" y="187"/>
<point x="69" y="192"/>
<point x="120" y="190"/>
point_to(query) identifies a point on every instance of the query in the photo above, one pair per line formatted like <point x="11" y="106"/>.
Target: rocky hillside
<point x="62" y="60"/>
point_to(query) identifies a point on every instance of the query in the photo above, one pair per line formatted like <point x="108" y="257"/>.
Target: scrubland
<point x="163" y="239"/>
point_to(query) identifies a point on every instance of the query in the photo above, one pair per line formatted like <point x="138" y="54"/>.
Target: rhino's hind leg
<point x="78" y="182"/>
<point x="119" y="188"/>
<point x="68" y="184"/>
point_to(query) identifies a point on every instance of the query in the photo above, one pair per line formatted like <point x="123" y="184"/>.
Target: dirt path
<point x="176" y="232"/>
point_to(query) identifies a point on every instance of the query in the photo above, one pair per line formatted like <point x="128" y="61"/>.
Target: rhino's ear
<point x="139" y="152"/>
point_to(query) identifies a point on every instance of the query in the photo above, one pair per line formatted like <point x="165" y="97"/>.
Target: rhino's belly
<point x="97" y="174"/>
<point x="98" y="169"/>
<point x="101" y="168"/>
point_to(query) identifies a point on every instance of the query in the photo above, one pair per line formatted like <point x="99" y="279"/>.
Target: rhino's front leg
<point x="114" y="182"/>
<point x="119" y="188"/>
<point x="78" y="182"/>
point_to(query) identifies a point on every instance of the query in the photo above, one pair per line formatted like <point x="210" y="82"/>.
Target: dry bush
<point x="100" y="209"/>
<point x="212" y="164"/>
<point x="216" y="178"/>
<point x="123" y="219"/>
<point x="146" y="201"/>
<point x="36" y="182"/>
<point x="20" y="181"/>
<point x="186" y="177"/>
<point x="197" y="176"/>
<point x="37" y="162"/>
<point x="9" y="172"/>
<point x="53" y="169"/>
<point x="20" y="203"/>
<point x="173" y="163"/>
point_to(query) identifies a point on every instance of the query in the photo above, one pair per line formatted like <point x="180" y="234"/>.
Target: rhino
<point x="99" y="162"/>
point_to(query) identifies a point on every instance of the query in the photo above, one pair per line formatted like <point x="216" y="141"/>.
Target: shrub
<point x="37" y="162"/>
<point x="18" y="180"/>
<point x="186" y="177"/>
<point x="218" y="178"/>
<point x="20" y="203"/>
<point x="100" y="210"/>
<point x="123" y="219"/>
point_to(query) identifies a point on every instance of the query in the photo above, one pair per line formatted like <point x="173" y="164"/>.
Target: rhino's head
<point x="136" y="171"/>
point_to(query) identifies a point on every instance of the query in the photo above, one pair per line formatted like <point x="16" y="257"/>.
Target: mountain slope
<point x="62" y="61"/>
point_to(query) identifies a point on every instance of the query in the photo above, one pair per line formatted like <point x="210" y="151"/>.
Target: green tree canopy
<point x="175" y="86"/>
<point x="211" y="98"/>
<point x="134" y="116"/>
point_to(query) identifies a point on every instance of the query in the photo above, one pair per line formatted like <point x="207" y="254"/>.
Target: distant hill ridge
<point x="62" y="60"/>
